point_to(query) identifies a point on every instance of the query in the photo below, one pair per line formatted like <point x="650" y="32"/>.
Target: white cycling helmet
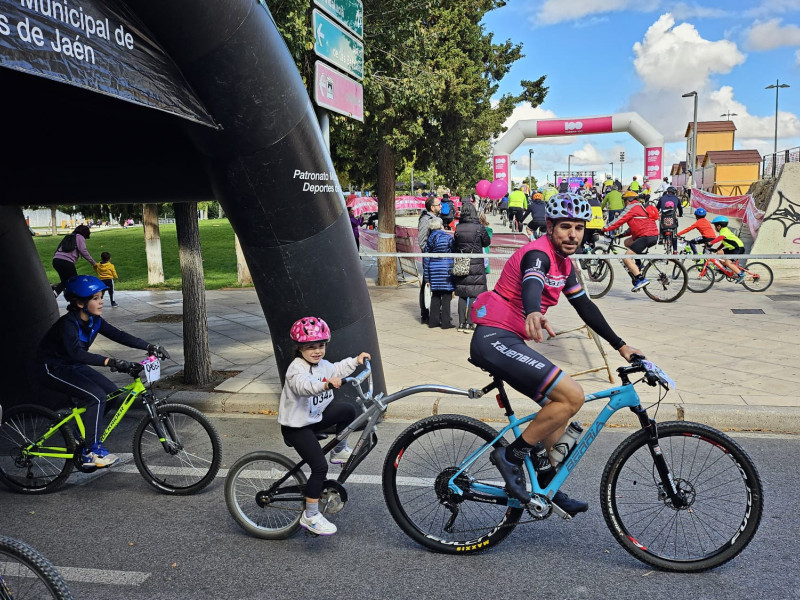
<point x="568" y="206"/>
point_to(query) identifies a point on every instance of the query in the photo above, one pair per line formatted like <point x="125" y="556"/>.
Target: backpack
<point x="68" y="244"/>
<point x="446" y="207"/>
<point x="668" y="219"/>
<point x="651" y="211"/>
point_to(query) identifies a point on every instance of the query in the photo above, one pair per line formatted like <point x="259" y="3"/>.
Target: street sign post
<point x="349" y="13"/>
<point x="337" y="46"/>
<point x="338" y="93"/>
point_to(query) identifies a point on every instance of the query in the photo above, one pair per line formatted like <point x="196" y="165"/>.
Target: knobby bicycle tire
<point x="597" y="274"/>
<point x="26" y="574"/>
<point x="417" y="468"/>
<point x="699" y="282"/>
<point x="196" y="456"/>
<point x="22" y="425"/>
<point x="667" y="278"/>
<point x="722" y="485"/>
<point x="758" y="283"/>
<point x="269" y="518"/>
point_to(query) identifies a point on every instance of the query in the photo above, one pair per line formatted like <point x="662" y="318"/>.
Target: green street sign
<point x="337" y="46"/>
<point x="349" y="13"/>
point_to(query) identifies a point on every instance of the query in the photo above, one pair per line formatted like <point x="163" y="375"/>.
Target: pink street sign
<point x="501" y="167"/>
<point x="573" y="126"/>
<point x="338" y="93"/>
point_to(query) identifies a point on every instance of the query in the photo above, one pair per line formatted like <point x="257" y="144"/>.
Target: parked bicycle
<point x="678" y="496"/>
<point x="668" y="277"/>
<point x="175" y="447"/>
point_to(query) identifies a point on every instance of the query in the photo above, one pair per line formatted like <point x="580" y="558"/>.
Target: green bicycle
<point x="175" y="447"/>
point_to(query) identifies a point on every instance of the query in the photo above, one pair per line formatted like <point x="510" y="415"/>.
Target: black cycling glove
<point x="120" y="365"/>
<point x="159" y="351"/>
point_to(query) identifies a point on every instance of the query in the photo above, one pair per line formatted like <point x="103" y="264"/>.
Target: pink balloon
<point x="498" y="189"/>
<point x="482" y="188"/>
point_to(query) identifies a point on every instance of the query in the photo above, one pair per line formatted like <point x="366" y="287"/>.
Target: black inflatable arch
<point x="65" y="144"/>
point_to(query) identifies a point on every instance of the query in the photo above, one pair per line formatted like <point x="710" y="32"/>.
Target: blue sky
<point x="609" y="56"/>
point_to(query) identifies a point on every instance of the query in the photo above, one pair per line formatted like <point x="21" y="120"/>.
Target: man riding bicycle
<point x="643" y="234"/>
<point x="513" y="312"/>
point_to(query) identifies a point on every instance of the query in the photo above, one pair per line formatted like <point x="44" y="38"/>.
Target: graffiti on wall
<point x="787" y="213"/>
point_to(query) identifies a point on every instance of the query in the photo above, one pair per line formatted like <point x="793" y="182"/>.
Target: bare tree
<point x="152" y="243"/>
<point x="197" y="355"/>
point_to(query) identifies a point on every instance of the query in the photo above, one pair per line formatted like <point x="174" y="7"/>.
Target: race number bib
<point x="152" y="369"/>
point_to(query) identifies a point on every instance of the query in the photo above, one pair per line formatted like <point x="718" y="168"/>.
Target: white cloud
<point x="767" y="8"/>
<point x="557" y="11"/>
<point x="525" y="112"/>
<point x="683" y="11"/>
<point x="771" y="34"/>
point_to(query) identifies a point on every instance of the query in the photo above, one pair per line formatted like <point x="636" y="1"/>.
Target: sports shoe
<point x="114" y="304"/>
<point x="639" y="284"/>
<point x="512" y="475"/>
<point x="462" y="327"/>
<point x="339" y="458"/>
<point x="569" y="505"/>
<point x="98" y="456"/>
<point x="317" y="524"/>
<point x="741" y="277"/>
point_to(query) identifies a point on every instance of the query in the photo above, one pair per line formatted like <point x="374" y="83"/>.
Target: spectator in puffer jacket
<point x="471" y="237"/>
<point x="437" y="273"/>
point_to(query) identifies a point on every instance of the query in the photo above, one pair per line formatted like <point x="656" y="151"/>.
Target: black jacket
<point x="471" y="237"/>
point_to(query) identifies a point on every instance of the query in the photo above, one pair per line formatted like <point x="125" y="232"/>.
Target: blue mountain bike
<point x="679" y="496"/>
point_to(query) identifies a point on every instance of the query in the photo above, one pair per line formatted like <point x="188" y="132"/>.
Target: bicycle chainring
<point x="333" y="497"/>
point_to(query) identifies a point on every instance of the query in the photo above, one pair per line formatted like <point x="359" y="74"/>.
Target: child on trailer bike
<point x="513" y="312"/>
<point x="307" y="407"/>
<point x="643" y="234"/>
<point x="63" y="360"/>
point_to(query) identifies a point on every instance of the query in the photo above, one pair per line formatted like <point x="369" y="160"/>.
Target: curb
<point x="772" y="419"/>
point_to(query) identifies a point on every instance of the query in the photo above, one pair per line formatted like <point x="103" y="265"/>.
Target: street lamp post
<point x="530" y="171"/>
<point x="612" y="170"/>
<point x="778" y="85"/>
<point x="693" y="156"/>
<point x="728" y="115"/>
<point x="569" y="167"/>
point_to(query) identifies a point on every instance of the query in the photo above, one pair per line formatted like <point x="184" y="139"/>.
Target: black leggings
<point x="65" y="270"/>
<point x="303" y="440"/>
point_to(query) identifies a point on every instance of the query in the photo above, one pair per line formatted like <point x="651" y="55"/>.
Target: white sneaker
<point x="339" y="458"/>
<point x="317" y="524"/>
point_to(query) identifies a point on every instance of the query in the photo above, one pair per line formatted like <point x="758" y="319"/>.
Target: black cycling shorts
<point x="642" y="243"/>
<point x="739" y="250"/>
<point x="506" y="355"/>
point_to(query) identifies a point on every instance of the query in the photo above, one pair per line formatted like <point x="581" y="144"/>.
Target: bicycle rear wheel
<point x="273" y="516"/>
<point x="25" y="574"/>
<point x="758" y="277"/>
<point x="720" y="482"/>
<point x="415" y="474"/>
<point x="667" y="280"/>
<point x="597" y="275"/>
<point x="194" y="455"/>
<point x="698" y="281"/>
<point x="22" y="430"/>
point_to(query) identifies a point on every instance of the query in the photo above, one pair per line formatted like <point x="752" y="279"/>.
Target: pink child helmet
<point x="310" y="329"/>
<point x="669" y="204"/>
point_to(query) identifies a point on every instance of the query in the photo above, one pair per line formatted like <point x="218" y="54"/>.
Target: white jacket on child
<point x="304" y="396"/>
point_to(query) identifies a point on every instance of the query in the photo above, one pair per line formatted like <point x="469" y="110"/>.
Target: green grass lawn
<point x="127" y="254"/>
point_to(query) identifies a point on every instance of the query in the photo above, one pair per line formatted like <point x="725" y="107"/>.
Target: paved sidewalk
<point x="733" y="371"/>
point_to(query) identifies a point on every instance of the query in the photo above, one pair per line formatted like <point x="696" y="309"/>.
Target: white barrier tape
<point x="692" y="257"/>
<point x="385" y="235"/>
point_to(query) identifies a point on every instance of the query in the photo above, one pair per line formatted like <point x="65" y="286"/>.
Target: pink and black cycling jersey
<point x="550" y="274"/>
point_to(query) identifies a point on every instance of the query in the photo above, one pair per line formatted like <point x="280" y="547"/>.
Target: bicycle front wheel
<point x="698" y="281"/>
<point x="416" y="472"/>
<point x="27" y="574"/>
<point x="20" y="436"/>
<point x="667" y="278"/>
<point x="598" y="276"/>
<point x="758" y="277"/>
<point x="261" y="511"/>
<point x="721" y="485"/>
<point x="189" y="457"/>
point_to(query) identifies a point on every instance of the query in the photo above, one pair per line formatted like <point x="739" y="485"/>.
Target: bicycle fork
<point x="163" y="428"/>
<point x="667" y="487"/>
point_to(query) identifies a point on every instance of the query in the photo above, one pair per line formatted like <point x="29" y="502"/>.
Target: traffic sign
<point x="338" y="93"/>
<point x="337" y="46"/>
<point x="349" y="13"/>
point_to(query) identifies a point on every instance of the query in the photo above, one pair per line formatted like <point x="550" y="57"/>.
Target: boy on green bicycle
<point x="63" y="360"/>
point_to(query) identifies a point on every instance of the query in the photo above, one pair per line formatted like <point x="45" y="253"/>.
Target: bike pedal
<point x="558" y="511"/>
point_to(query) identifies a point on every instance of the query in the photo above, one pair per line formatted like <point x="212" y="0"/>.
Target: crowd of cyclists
<point x="650" y="212"/>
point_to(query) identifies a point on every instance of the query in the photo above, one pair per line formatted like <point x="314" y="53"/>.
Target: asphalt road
<point x="142" y="544"/>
